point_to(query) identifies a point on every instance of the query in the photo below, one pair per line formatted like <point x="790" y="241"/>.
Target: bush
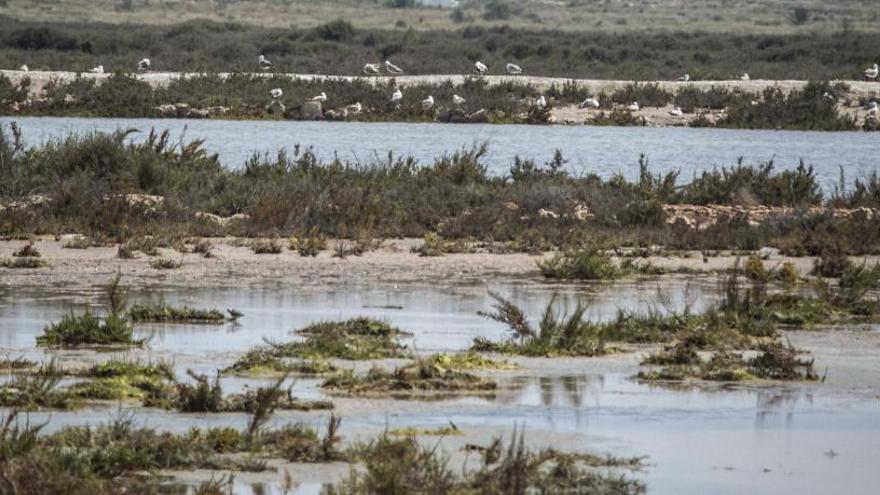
<point x="339" y="30"/>
<point x="74" y="330"/>
<point x="582" y="264"/>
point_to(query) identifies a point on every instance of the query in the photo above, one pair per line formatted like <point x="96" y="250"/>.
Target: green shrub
<point x="74" y="330"/>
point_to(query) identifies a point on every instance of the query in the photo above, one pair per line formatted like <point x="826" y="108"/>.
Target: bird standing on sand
<point x="97" y="70"/>
<point x="392" y="69"/>
<point x="871" y="72"/>
<point x="397" y="96"/>
<point x="513" y="69"/>
<point x="685" y="78"/>
<point x="276" y="93"/>
<point x="264" y="63"/>
<point x="589" y="103"/>
<point x="458" y="100"/>
<point x="480" y="68"/>
<point x="23" y="68"/>
<point x="320" y="97"/>
<point x="144" y="65"/>
<point x="745" y="77"/>
<point x="355" y="108"/>
<point x="428" y="103"/>
<point x="541" y="102"/>
<point x="634" y="107"/>
<point x="872" y="108"/>
<point x="371" y="69"/>
<point x="676" y="112"/>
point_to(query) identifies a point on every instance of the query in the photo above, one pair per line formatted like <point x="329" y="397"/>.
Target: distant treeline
<point x="339" y="48"/>
<point x="86" y="178"/>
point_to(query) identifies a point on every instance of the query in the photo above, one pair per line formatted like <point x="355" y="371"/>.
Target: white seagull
<point x="428" y="103"/>
<point x="392" y="69"/>
<point x="541" y="102"/>
<point x="355" y="108"/>
<point x="458" y="100"/>
<point x="480" y="68"/>
<point x="589" y="103"/>
<point x="371" y="69"/>
<point x="514" y="69"/>
<point x="276" y="93"/>
<point x="755" y="103"/>
<point x="397" y="96"/>
<point x="634" y="107"/>
<point x="676" y="112"/>
<point x="144" y="64"/>
<point x="97" y="70"/>
<point x="871" y="72"/>
<point x="685" y="78"/>
<point x="23" y="68"/>
<point x="264" y="63"/>
<point x="320" y="97"/>
<point x="745" y="77"/>
<point x="872" y="108"/>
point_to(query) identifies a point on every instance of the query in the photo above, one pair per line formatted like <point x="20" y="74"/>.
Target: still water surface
<point x="602" y="150"/>
<point x="789" y="438"/>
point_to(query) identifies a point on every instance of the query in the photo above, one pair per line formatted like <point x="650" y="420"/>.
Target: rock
<point x="182" y="109"/>
<point x="862" y="214"/>
<point x="337" y="114"/>
<point x="166" y="111"/>
<point x="547" y="213"/>
<point x="221" y="221"/>
<point x="276" y="108"/>
<point x="311" y="110"/>
<point x="197" y="113"/>
<point x="217" y="111"/>
<point x="481" y="116"/>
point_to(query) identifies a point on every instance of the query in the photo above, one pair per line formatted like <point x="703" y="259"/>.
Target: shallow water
<point x="602" y="150"/>
<point x="805" y="438"/>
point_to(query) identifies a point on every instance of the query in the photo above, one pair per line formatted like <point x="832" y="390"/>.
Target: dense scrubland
<point x="245" y="96"/>
<point x="339" y="48"/>
<point x="84" y="183"/>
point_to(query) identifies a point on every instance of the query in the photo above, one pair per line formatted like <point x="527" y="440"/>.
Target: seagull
<point x="634" y="107"/>
<point x="23" y="68"/>
<point x="392" y="69"/>
<point x="541" y="102"/>
<point x="371" y="69"/>
<point x="97" y="70"/>
<point x="589" y="103"/>
<point x="276" y="93"/>
<point x="676" y="112"/>
<point x="428" y="103"/>
<point x="234" y="314"/>
<point x="514" y="69"/>
<point x="872" y="108"/>
<point x="397" y="96"/>
<point x="458" y="100"/>
<point x="755" y="103"/>
<point x="264" y="63"/>
<point x="355" y="108"/>
<point x="745" y="77"/>
<point x="320" y="97"/>
<point x="144" y="64"/>
<point x="685" y="78"/>
<point x="480" y="68"/>
<point x="871" y="72"/>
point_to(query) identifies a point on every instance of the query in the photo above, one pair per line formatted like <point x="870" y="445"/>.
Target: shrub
<point x="74" y="330"/>
<point x="266" y="246"/>
<point x="582" y="264"/>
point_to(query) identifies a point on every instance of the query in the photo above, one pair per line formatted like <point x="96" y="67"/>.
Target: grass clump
<point x="38" y="391"/>
<point x="120" y="380"/>
<point x="166" y="264"/>
<point x="423" y="377"/>
<point x="556" y="335"/>
<point x="271" y="360"/>
<point x="581" y="264"/>
<point x="469" y="361"/>
<point x="23" y="262"/>
<point x="206" y="395"/>
<point x="16" y="364"/>
<point x="266" y="246"/>
<point x="162" y="312"/>
<point x="775" y="361"/>
<point x="355" y="339"/>
<point x="308" y="243"/>
<point x="441" y="431"/>
<point x="29" y="250"/>
<point x="87" y="329"/>
<point x="402" y="465"/>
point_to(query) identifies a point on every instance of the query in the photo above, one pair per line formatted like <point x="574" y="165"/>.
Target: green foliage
<point x="87" y="329"/>
<point x="162" y="312"/>
<point x="266" y="246"/>
<point x="356" y="339"/>
<point x="806" y="109"/>
<point x="583" y="264"/>
<point x="424" y="376"/>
